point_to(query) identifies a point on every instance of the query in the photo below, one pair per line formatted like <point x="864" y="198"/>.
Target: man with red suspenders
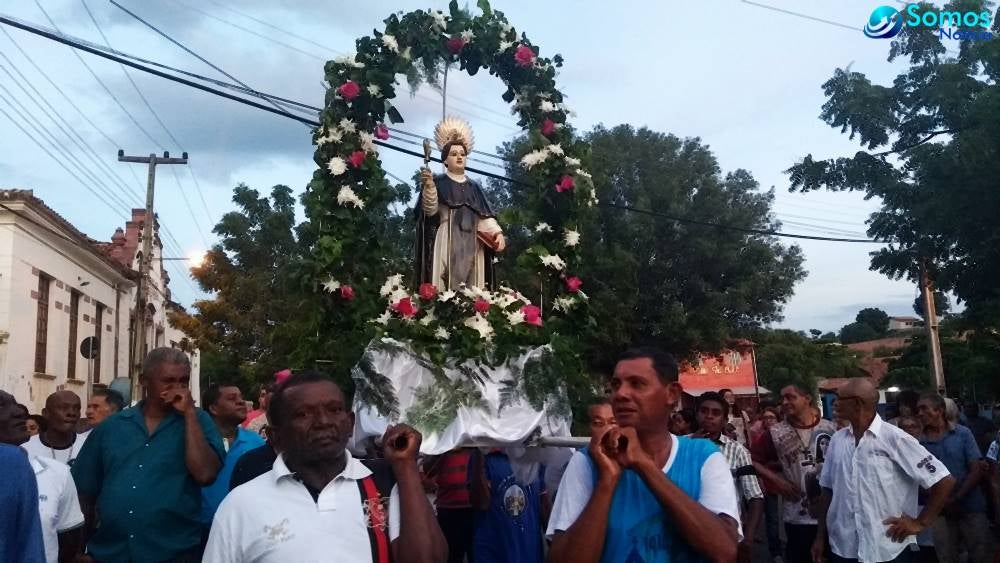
<point x="318" y="503"/>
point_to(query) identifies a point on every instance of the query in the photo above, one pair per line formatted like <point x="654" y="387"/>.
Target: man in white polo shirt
<point x="318" y="503"/>
<point x="58" y="505"/>
<point x="870" y="480"/>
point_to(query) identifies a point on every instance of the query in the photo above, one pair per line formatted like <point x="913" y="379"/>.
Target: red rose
<point x="455" y="45"/>
<point x="356" y="159"/>
<point x="405" y="307"/>
<point x="548" y="127"/>
<point x="481" y="306"/>
<point x="349" y="90"/>
<point x="565" y="184"/>
<point x="347" y="292"/>
<point x="428" y="291"/>
<point x="524" y="56"/>
<point x="382" y="132"/>
<point x="532" y="315"/>
<point x="573" y="284"/>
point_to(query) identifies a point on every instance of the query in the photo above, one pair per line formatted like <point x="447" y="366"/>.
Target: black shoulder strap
<point x="382" y="474"/>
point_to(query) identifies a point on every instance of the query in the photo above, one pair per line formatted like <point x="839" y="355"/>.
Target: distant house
<point x="905" y="323"/>
<point x="58" y="288"/>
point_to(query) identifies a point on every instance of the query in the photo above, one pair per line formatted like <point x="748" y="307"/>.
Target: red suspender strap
<point x="376" y="520"/>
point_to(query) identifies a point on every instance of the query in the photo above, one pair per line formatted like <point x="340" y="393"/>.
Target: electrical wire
<point x="163" y="125"/>
<point x="406" y="151"/>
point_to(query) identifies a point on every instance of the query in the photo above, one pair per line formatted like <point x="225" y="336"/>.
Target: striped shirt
<point x="738" y="458"/>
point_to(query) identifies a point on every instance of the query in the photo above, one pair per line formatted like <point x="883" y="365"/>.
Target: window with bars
<point x="42" y="326"/>
<point x="74" y="315"/>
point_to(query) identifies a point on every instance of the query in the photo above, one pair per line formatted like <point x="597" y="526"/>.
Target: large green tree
<point x="683" y="286"/>
<point x="931" y="156"/>
<point x="249" y="328"/>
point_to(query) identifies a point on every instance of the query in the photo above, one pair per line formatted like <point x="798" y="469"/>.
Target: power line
<point x="801" y="15"/>
<point x="58" y="161"/>
<point x="406" y="151"/>
<point x="49" y="137"/>
<point x="156" y="116"/>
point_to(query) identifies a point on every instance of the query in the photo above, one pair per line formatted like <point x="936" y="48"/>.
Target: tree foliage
<point x="969" y="361"/>
<point x="785" y="356"/>
<point x="877" y="319"/>
<point x="249" y="329"/>
<point x="941" y="304"/>
<point x="931" y="155"/>
<point x="652" y="279"/>
<point x="857" y="332"/>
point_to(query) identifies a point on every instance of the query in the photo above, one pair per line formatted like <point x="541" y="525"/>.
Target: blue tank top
<point x="639" y="530"/>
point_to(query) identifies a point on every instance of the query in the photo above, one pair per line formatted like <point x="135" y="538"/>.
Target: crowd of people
<point x="166" y="481"/>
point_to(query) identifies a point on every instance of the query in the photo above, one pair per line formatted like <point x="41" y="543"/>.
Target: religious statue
<point x="457" y="231"/>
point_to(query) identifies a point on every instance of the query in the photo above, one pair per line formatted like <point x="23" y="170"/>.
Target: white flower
<point x="390" y="43"/>
<point x="446" y="296"/>
<point x="506" y="28"/>
<point x="349" y="60"/>
<point x="584" y="174"/>
<point x="546" y="106"/>
<point x="543" y="228"/>
<point x="367" y="141"/>
<point x="428" y="318"/>
<point x="383" y="319"/>
<point x="571" y="237"/>
<point x="504" y="45"/>
<point x="467" y="35"/>
<point x="563" y="303"/>
<point x="347" y="126"/>
<point x="439" y="22"/>
<point x="347" y="196"/>
<point x="374" y="90"/>
<point x="532" y="158"/>
<point x="570" y="161"/>
<point x="593" y="198"/>
<point x="336" y="166"/>
<point x="331" y="285"/>
<point x="479" y="324"/>
<point x="397" y="295"/>
<point x="506" y="300"/>
<point x="406" y="54"/>
<point x="553" y="261"/>
<point x="391" y="283"/>
<point x="441" y="334"/>
<point x="515" y="318"/>
<point x="555" y="149"/>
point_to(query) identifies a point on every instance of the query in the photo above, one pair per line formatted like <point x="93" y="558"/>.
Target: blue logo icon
<point x="884" y="23"/>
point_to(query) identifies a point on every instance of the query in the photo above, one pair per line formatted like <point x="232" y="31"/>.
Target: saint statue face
<point x="454" y="161"/>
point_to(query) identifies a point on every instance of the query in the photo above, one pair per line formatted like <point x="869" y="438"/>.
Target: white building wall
<point x="34" y="252"/>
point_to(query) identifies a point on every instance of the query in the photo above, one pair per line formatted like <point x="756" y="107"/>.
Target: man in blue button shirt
<point x="963" y="520"/>
<point x="225" y="404"/>
<point x="142" y="470"/>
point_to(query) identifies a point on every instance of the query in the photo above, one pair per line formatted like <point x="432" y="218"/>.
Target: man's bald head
<point x="60" y="396"/>
<point x="863" y="389"/>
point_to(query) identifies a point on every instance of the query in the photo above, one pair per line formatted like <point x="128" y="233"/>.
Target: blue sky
<point x="742" y="77"/>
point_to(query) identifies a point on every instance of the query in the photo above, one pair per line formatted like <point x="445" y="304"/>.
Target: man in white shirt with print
<point x="58" y="505"/>
<point x="870" y="480"/>
<point x="318" y="503"/>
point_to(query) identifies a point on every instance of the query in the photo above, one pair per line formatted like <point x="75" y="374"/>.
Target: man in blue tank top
<point x="639" y="494"/>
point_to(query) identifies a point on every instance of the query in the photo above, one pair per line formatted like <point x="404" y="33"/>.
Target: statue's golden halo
<point x="454" y="130"/>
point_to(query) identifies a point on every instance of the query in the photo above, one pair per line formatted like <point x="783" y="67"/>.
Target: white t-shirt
<point x="274" y="519"/>
<point x="35" y="447"/>
<point x="58" y="505"/>
<point x="718" y="491"/>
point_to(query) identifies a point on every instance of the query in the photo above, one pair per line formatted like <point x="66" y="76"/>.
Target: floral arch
<point x="349" y="192"/>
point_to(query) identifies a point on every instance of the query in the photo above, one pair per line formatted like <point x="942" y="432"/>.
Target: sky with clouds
<point x="744" y="77"/>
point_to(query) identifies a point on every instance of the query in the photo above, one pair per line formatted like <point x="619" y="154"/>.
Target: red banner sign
<point x="731" y="369"/>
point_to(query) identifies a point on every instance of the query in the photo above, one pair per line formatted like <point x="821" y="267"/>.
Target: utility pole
<point x="931" y="325"/>
<point x="137" y="349"/>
